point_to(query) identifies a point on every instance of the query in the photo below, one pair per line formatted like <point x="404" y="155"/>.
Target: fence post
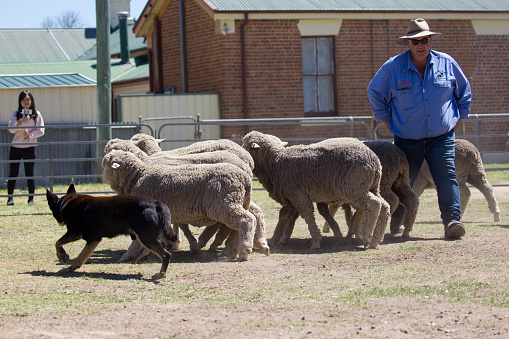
<point x="197" y="129"/>
<point x="50" y="167"/>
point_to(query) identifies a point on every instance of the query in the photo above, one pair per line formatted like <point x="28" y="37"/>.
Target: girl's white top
<point x="35" y="130"/>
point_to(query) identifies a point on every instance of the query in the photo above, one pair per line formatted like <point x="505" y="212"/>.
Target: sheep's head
<point x="120" y="144"/>
<point x="147" y="143"/>
<point x="254" y="140"/>
<point x="120" y="168"/>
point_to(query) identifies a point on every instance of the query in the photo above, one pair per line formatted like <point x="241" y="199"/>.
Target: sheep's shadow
<point x="334" y="245"/>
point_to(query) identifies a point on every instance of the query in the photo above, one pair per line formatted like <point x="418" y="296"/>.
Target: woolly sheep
<point x="212" y="151"/>
<point x="150" y="145"/>
<point x="394" y="184"/>
<point x="342" y="171"/>
<point x="469" y="169"/>
<point x="195" y="194"/>
<point x="170" y="159"/>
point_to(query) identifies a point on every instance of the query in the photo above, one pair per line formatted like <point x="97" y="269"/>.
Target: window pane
<point x="325" y="93"/>
<point x="310" y="104"/>
<point x="324" y="51"/>
<point x="308" y="56"/>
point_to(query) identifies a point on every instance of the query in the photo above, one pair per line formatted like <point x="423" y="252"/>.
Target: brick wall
<point x="274" y="69"/>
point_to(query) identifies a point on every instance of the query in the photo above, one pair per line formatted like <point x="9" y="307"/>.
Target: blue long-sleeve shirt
<point x="417" y="107"/>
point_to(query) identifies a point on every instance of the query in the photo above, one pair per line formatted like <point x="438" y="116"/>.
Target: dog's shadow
<point x="97" y="275"/>
<point x="109" y="257"/>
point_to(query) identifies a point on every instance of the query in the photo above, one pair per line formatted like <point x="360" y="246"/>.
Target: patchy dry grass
<point x="424" y="287"/>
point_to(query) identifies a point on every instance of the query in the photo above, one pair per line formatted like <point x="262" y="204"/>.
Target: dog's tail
<point x="165" y="222"/>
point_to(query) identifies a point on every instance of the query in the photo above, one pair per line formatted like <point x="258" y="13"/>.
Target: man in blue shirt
<point x="421" y="96"/>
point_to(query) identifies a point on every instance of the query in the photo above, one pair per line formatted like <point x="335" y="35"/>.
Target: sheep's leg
<point x="222" y="234"/>
<point x="481" y="183"/>
<point x="333" y="208"/>
<point x="306" y="211"/>
<point x="410" y="200"/>
<point x="193" y="244"/>
<point x="464" y="196"/>
<point x="132" y="252"/>
<point x="245" y="222"/>
<point x="381" y="224"/>
<point x="368" y="205"/>
<point x="207" y="233"/>
<point x="323" y="209"/>
<point x="231" y="249"/>
<point x="287" y="216"/>
<point x="260" y="241"/>
<point x="176" y="244"/>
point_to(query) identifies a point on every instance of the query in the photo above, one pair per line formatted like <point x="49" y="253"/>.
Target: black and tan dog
<point x="92" y="218"/>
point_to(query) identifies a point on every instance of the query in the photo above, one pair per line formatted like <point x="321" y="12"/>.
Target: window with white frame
<point x="318" y="76"/>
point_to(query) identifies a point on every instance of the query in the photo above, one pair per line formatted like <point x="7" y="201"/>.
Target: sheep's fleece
<point x="394" y="184"/>
<point x="199" y="195"/>
<point x="150" y="145"/>
<point x="344" y="171"/>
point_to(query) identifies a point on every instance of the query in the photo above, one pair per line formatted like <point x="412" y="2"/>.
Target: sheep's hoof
<point x="158" y="276"/>
<point x="406" y="234"/>
<point x="175" y="246"/>
<point x="315" y="244"/>
<point x="374" y="244"/>
<point x="496" y="217"/>
<point x="244" y="255"/>
<point x="284" y="240"/>
<point x="326" y="228"/>
<point x="66" y="270"/>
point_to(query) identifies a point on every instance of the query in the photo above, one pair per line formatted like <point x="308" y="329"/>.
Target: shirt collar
<point x="409" y="65"/>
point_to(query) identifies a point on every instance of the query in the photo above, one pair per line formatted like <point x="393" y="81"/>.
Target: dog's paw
<point x="63" y="257"/>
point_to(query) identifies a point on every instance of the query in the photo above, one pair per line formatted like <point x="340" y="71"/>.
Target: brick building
<point x="298" y="59"/>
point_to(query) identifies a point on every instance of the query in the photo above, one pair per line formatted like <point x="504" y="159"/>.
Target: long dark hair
<point x="22" y="96"/>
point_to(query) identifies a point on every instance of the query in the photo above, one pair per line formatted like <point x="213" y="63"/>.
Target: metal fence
<point x="73" y="153"/>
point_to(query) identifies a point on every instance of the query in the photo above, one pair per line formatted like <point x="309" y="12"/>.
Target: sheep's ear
<point x="115" y="165"/>
<point x="255" y="145"/>
<point x="160" y="140"/>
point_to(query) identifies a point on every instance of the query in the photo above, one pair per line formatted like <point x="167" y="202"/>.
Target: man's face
<point x="419" y="48"/>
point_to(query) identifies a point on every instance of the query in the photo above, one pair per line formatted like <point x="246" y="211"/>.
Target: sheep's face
<point x="254" y="140"/>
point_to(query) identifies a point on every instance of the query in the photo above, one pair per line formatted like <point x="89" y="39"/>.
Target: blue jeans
<point x="439" y="153"/>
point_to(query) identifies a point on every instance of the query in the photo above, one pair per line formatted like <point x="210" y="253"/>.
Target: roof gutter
<point x="244" y="64"/>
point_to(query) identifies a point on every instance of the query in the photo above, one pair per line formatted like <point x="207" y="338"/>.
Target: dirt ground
<point x="279" y="314"/>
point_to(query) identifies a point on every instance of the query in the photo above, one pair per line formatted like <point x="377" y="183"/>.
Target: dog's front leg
<point x="86" y="252"/>
<point x="66" y="238"/>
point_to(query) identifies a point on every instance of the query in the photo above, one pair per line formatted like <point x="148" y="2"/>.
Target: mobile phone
<point x="26" y="112"/>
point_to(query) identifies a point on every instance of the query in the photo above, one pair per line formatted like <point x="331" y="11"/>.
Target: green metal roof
<point x="134" y="44"/>
<point x="44" y="45"/>
<point x="86" y="68"/>
<point x="141" y="71"/>
<point x="44" y="80"/>
<point x="357" y="5"/>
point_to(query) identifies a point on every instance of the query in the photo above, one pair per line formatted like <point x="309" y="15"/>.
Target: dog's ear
<point x="71" y="189"/>
<point x="52" y="198"/>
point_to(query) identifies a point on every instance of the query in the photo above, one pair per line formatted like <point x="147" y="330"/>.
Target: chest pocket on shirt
<point x="443" y="88"/>
<point x="404" y="95"/>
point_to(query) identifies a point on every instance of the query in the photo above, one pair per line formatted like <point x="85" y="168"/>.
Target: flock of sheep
<point x="209" y="183"/>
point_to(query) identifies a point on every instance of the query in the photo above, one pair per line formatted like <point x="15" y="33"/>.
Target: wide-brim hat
<point x="417" y="28"/>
